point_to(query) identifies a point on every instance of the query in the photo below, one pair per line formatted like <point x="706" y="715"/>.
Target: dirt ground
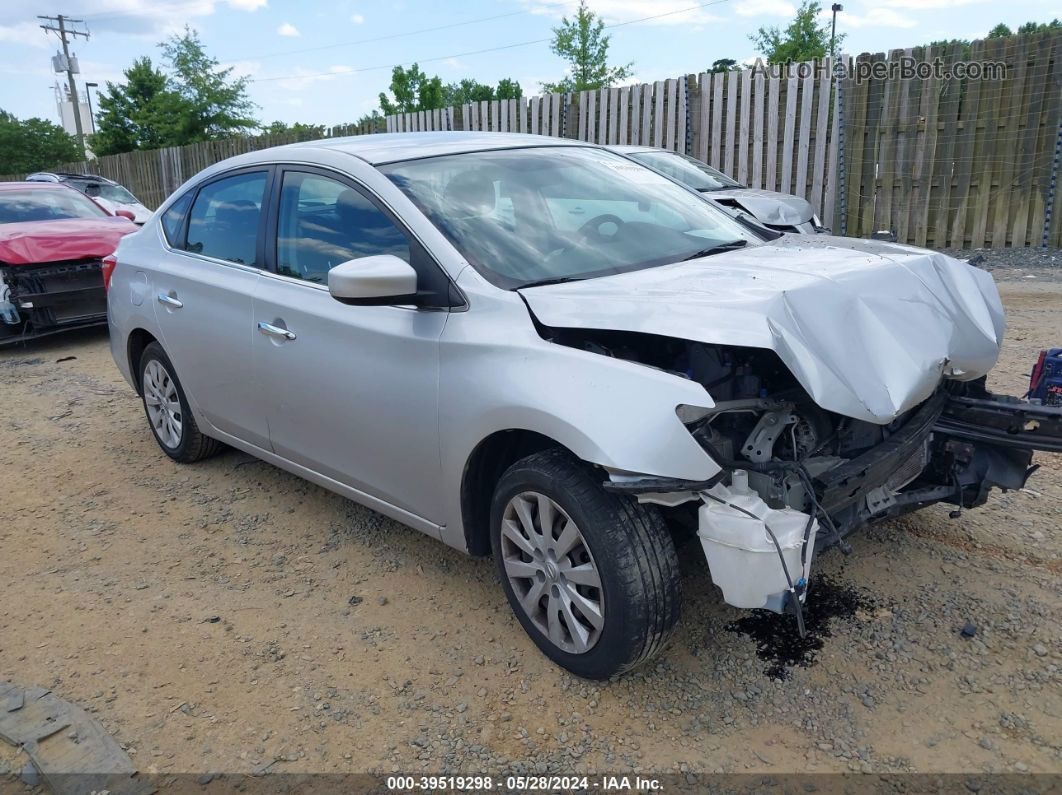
<point x="229" y="617"/>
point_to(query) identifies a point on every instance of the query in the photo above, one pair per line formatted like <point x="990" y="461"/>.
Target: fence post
<point x="842" y="195"/>
<point x="1052" y="186"/>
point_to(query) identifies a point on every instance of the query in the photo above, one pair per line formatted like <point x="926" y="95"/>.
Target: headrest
<point x="471" y="194"/>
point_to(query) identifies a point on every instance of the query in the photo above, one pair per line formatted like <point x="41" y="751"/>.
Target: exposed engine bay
<point x="796" y="477"/>
<point x="52" y="296"/>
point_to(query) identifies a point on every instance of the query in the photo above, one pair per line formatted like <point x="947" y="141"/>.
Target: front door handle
<point x="276" y="331"/>
<point x="169" y="300"/>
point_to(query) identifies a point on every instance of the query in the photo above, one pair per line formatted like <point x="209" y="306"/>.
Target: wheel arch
<point x="484" y="468"/>
<point x="138" y="340"/>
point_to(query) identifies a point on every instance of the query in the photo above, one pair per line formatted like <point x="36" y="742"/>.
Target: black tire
<point x="630" y="548"/>
<point x="193" y="445"/>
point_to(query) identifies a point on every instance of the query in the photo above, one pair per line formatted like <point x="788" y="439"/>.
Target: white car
<point x="105" y="192"/>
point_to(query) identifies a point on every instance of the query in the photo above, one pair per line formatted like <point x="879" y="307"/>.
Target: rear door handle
<point x="169" y="300"/>
<point x="276" y="331"/>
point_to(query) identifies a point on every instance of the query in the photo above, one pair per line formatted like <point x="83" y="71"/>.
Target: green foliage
<point x="999" y="31"/>
<point x="215" y="104"/>
<point x="469" y="90"/>
<point x="1039" y="27"/>
<point x="305" y="132"/>
<point x="34" y="144"/>
<point x="724" y="65"/>
<point x="804" y="39"/>
<point x="194" y="100"/>
<point x="412" y="90"/>
<point x="136" y="114"/>
<point x="582" y="43"/>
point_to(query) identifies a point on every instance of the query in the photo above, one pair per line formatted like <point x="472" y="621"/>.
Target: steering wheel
<point x="592" y="228"/>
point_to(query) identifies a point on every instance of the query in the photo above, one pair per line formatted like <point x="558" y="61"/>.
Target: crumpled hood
<point x="868" y="328"/>
<point x="769" y="207"/>
<point x="54" y="241"/>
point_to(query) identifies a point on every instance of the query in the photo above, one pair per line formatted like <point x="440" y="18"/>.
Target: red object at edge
<point x="36" y="242"/>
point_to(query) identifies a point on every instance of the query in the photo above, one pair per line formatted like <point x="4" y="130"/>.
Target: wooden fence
<point x="944" y="160"/>
<point x="154" y="174"/>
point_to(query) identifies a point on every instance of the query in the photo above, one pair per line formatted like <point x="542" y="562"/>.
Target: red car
<point x="53" y="241"/>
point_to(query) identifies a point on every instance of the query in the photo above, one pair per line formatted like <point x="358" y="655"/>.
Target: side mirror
<point x="373" y="281"/>
<point x="125" y="214"/>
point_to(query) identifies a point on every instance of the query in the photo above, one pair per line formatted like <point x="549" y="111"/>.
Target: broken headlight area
<point x="38" y="299"/>
<point x="796" y="478"/>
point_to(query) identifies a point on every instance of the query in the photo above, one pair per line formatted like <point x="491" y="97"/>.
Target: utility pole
<point x="833" y="28"/>
<point x="60" y="28"/>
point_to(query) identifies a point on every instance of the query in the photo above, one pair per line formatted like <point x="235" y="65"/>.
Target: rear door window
<point x="225" y="217"/>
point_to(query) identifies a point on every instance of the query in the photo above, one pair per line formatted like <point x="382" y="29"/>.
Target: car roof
<point x="381" y="148"/>
<point x="627" y="149"/>
<point x="61" y="176"/>
<point x="34" y="186"/>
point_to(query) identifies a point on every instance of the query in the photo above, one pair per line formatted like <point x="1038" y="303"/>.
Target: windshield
<point x="523" y="216"/>
<point x="687" y="170"/>
<point x="114" y="193"/>
<point x="20" y="206"/>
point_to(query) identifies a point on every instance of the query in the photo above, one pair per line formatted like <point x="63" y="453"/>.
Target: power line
<point x="482" y="51"/>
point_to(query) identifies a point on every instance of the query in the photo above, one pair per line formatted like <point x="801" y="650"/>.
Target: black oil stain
<point x="778" y="643"/>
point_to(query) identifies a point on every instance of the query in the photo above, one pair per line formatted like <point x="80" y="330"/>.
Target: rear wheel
<point x="168" y="414"/>
<point x="591" y="576"/>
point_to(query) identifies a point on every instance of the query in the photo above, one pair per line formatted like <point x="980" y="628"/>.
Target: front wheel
<point x="591" y="576"/>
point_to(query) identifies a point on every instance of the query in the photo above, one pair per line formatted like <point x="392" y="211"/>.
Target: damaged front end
<point x="796" y="478"/>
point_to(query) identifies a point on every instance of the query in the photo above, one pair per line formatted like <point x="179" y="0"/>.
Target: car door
<point x="352" y="390"/>
<point x="203" y="289"/>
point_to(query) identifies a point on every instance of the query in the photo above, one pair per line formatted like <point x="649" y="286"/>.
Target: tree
<point x="216" y="104"/>
<point x="470" y="90"/>
<point x="194" y="100"/>
<point x="582" y="43"/>
<point x="1000" y="31"/>
<point x="509" y="89"/>
<point x="136" y="114"/>
<point x="33" y="144"/>
<point x="804" y="39"/>
<point x="304" y="132"/>
<point x="724" y="65"/>
<point x="1039" y="27"/>
<point x="412" y="90"/>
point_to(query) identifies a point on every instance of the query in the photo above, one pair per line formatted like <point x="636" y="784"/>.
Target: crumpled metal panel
<point x="780" y="209"/>
<point x="868" y="328"/>
<point x="58" y="241"/>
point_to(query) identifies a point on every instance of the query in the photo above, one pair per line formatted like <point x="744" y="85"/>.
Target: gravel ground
<point x="231" y="617"/>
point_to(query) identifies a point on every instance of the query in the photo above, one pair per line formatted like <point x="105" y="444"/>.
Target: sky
<point x="325" y="61"/>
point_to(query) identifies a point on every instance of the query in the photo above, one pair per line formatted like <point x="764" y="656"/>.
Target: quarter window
<point x="224" y="219"/>
<point x="322" y="222"/>
<point x="173" y="219"/>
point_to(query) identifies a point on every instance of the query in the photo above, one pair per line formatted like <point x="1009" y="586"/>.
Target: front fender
<point x="618" y="414"/>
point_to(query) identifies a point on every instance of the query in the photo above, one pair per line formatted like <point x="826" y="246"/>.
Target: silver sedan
<point x="539" y="350"/>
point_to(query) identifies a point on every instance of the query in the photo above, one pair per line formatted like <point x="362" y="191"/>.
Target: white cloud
<point x="666" y="12"/>
<point x="248" y="5"/>
<point x="25" y="33"/>
<point x="875" y="18"/>
<point x="304" y="77"/>
<point x="287" y="29"/>
<point x="243" y="68"/>
<point x="922" y="5"/>
<point x="357" y="19"/>
<point x="765" y="8"/>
